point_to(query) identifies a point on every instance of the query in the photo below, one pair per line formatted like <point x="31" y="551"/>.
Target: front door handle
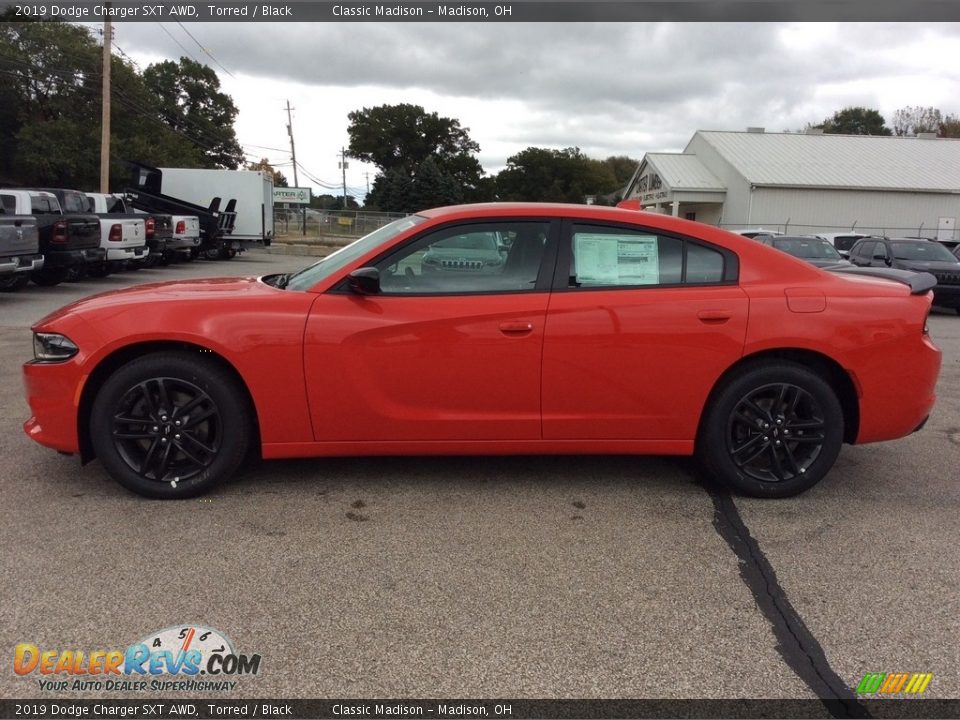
<point x="516" y="328"/>
<point x="714" y="316"/>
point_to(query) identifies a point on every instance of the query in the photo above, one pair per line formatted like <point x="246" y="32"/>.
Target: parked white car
<point x="842" y="241"/>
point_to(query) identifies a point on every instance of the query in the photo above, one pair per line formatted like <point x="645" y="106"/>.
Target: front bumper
<point x="53" y="393"/>
<point x="946" y="295"/>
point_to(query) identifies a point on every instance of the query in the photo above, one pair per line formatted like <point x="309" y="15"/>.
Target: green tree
<point x="50" y="88"/>
<point x="192" y="104"/>
<point x="547" y="175"/>
<point x="401" y="138"/>
<point x="855" y="121"/>
<point x="432" y="188"/>
<point x="950" y="127"/>
<point x="392" y="191"/>
<point x="263" y="166"/>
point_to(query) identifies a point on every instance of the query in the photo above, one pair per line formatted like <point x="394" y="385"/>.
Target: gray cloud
<point x="606" y="87"/>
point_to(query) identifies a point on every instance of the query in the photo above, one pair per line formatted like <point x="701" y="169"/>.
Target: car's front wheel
<point x="170" y="425"/>
<point x="772" y="430"/>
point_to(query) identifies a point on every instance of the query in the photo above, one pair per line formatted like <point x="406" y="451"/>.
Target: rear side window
<point x="620" y="257"/>
<point x="43" y="204"/>
<point x="845" y="242"/>
<point x="9" y="203"/>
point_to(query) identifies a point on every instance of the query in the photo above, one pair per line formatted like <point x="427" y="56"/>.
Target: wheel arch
<point x="128" y="353"/>
<point x="825" y="366"/>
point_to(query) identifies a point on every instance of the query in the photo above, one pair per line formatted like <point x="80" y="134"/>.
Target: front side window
<point x="618" y="257"/>
<point x="488" y="257"/>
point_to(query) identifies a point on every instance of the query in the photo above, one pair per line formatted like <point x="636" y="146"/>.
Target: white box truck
<point x="252" y="189"/>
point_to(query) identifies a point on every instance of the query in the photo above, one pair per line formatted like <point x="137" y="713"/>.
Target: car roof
<point x="849" y="233"/>
<point x="531" y="208"/>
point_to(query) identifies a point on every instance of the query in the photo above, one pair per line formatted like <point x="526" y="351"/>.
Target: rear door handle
<point x="714" y="316"/>
<point x="516" y="328"/>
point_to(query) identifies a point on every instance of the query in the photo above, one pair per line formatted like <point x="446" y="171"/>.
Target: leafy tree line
<point x="907" y="122"/>
<point x="172" y="114"/>
<point x="426" y="160"/>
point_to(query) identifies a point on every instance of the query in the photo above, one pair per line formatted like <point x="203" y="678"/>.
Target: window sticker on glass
<point x="603" y="259"/>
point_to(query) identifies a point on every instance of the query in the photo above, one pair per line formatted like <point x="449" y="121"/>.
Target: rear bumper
<point x="20" y="263"/>
<point x="183" y="243"/>
<point x="71" y="258"/>
<point x="127" y="253"/>
<point x="896" y="400"/>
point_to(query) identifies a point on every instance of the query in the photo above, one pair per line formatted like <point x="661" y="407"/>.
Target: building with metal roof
<point x="807" y="182"/>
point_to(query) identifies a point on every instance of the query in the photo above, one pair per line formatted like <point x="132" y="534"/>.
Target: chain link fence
<point x="329" y="223"/>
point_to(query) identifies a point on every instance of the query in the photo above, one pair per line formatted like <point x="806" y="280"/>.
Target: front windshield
<point x="809" y="249"/>
<point x="311" y="275"/>
<point x="922" y="252"/>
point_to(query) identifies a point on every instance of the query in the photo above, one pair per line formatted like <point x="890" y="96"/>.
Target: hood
<point x="175" y="291"/>
<point x="922" y="266"/>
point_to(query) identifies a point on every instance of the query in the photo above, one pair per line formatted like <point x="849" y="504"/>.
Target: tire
<point x="174" y="461"/>
<point x="772" y="430"/>
<point x="212" y="253"/>
<point x="49" y="277"/>
<point x="13" y="283"/>
<point x="99" y="270"/>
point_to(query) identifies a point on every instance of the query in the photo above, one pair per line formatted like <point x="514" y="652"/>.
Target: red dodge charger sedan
<point x="493" y="330"/>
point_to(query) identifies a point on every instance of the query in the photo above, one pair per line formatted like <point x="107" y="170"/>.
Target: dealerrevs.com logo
<point x="184" y="657"/>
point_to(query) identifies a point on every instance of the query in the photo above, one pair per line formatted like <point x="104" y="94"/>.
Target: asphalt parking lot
<point x="475" y="577"/>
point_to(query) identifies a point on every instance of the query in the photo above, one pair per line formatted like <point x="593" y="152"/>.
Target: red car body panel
<point x="582" y="371"/>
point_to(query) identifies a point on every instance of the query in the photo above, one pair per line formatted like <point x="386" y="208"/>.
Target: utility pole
<point x="367" y="176"/>
<point x="343" y="167"/>
<point x="105" y="110"/>
<point x="293" y="156"/>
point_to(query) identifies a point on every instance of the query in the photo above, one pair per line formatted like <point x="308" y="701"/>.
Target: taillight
<point x="116" y="234"/>
<point x="181" y="227"/>
<point x="60" y="231"/>
<point x="150" y="227"/>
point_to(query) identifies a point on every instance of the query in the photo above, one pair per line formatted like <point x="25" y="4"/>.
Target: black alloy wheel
<point x="773" y="428"/>
<point x="776" y="432"/>
<point x="171" y="425"/>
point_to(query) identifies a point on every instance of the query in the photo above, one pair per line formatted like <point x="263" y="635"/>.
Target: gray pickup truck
<point x="19" y="248"/>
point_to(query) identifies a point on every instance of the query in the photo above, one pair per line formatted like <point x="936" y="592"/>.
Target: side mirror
<point x="364" y="281"/>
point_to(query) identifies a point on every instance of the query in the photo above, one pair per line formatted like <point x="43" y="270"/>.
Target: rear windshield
<point x="811" y="249"/>
<point x="74" y="202"/>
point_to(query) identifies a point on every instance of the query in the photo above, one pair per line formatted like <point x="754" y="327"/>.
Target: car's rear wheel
<point x="772" y="430"/>
<point x="48" y="277"/>
<point x="170" y="425"/>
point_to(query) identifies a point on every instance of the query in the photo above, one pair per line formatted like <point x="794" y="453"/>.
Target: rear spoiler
<point x="918" y="282"/>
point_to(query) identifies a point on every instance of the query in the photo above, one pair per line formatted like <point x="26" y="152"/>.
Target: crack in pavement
<point x="795" y="643"/>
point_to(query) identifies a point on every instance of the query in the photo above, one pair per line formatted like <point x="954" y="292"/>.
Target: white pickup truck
<point x="123" y="237"/>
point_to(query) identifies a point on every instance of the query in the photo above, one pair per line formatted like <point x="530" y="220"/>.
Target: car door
<point x="450" y="347"/>
<point x="862" y="252"/>
<point x="641" y="324"/>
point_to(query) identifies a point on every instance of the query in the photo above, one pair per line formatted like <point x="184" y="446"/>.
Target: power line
<point x="164" y="28"/>
<point x="182" y="27"/>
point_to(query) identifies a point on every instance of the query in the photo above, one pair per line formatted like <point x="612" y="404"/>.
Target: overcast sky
<point x="607" y="88"/>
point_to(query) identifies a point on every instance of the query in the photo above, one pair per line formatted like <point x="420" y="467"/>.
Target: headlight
<point x="52" y="347"/>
